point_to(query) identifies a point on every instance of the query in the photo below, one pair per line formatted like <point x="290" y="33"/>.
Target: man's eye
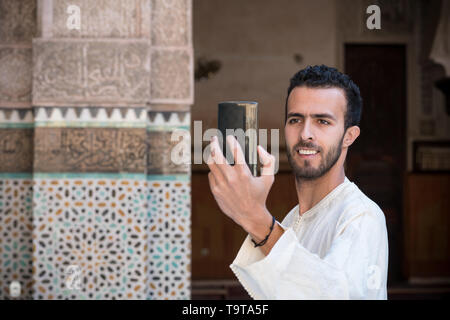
<point x="324" y="121"/>
<point x="292" y="121"/>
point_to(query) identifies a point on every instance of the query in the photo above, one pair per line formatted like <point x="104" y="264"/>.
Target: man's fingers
<point x="217" y="163"/>
<point x="238" y="155"/>
<point x="213" y="166"/>
<point x="236" y="149"/>
<point x="216" y="152"/>
<point x="267" y="161"/>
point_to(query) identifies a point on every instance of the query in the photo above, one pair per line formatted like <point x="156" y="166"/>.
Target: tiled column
<point x="108" y="201"/>
<point x="17" y="27"/>
<point x="90" y="89"/>
<point x="169" y="226"/>
<point x="171" y="94"/>
<point x="90" y="203"/>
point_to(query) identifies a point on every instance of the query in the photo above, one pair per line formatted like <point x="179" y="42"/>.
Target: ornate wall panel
<point x="171" y="23"/>
<point x="169" y="229"/>
<point x="17" y="21"/>
<point x="171" y="71"/>
<point x="16" y="214"/>
<point x="95" y="225"/>
<point x="91" y="204"/>
<point x="103" y="18"/>
<point x="84" y="72"/>
<point x="169" y="202"/>
<point x="15" y="74"/>
<point x="90" y="210"/>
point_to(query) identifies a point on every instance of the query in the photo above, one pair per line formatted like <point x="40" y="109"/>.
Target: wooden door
<point x="376" y="161"/>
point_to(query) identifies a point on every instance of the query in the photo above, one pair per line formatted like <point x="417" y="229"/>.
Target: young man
<point x="333" y="244"/>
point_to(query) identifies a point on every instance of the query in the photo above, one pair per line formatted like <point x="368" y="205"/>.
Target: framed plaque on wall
<point x="432" y="156"/>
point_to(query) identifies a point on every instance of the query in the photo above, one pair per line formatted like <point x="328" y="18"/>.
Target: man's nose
<point x="306" y="132"/>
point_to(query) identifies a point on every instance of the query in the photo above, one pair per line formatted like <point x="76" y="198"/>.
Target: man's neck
<point x="310" y="192"/>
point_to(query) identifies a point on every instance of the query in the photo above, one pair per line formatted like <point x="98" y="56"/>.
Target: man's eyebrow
<point x="317" y="115"/>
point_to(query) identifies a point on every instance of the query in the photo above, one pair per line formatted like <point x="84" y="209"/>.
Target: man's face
<point x="314" y="130"/>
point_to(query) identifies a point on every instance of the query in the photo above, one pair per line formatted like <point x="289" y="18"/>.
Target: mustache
<point x="308" y="145"/>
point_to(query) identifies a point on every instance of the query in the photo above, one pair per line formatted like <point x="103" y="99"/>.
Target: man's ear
<point x="350" y="136"/>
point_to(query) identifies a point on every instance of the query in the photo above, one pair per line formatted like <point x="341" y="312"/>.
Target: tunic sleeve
<point x="354" y="267"/>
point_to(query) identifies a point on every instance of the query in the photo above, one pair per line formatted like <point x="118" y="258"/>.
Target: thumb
<point x="267" y="161"/>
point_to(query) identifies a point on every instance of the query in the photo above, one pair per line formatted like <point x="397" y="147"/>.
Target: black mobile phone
<point x="240" y="119"/>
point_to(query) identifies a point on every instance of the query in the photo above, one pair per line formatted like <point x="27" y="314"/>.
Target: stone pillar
<point x="17" y="28"/>
<point x="171" y="94"/>
<point x="110" y="211"/>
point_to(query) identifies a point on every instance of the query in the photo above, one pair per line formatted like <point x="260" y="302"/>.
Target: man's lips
<point x="306" y="153"/>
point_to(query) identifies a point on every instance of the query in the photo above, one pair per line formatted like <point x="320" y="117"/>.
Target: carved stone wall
<point x="87" y="72"/>
<point x="104" y="18"/>
<point x="86" y="178"/>
<point x="17" y="28"/>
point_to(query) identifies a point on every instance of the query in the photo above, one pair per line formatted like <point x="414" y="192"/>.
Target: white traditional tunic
<point x="336" y="250"/>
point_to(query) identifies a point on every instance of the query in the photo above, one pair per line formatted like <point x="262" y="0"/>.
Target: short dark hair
<point x="326" y="77"/>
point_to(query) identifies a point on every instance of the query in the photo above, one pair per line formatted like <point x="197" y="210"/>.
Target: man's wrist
<point x="258" y="229"/>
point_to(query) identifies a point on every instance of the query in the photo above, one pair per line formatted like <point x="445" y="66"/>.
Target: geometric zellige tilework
<point x="130" y="238"/>
<point x="15" y="236"/>
<point x="169" y="229"/>
<point x="96" y="225"/>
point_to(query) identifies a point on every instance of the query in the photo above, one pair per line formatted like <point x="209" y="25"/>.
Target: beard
<point x="307" y="171"/>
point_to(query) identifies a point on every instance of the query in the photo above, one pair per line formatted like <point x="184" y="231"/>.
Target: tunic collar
<point x="323" y="202"/>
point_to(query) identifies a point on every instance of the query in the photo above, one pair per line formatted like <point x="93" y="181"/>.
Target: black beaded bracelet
<point x="263" y="242"/>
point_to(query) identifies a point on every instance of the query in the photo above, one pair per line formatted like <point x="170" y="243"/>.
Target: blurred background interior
<point x="86" y="117"/>
<point x="248" y="50"/>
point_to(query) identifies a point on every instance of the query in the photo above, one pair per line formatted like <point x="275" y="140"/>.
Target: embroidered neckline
<point x="312" y="212"/>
